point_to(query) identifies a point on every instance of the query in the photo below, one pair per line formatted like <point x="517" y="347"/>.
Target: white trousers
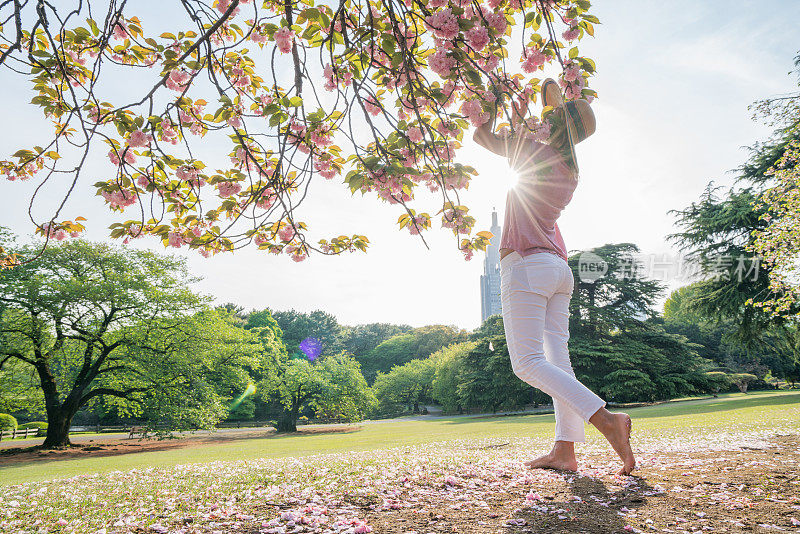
<point x="535" y="292"/>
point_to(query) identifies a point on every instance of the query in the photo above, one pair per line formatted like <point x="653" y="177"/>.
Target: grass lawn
<point x="757" y="410"/>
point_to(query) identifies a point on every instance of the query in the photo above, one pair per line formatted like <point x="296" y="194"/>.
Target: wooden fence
<point x="27" y="433"/>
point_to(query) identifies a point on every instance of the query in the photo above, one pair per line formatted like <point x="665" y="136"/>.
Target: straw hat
<point x="581" y="122"/>
<point x="580" y="116"/>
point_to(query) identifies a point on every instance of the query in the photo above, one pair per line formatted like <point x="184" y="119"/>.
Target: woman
<point x="536" y="282"/>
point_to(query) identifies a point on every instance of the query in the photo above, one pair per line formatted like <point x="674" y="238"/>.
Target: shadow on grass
<point x="597" y="511"/>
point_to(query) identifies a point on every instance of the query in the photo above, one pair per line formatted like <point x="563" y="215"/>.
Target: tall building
<point x="490" y="279"/>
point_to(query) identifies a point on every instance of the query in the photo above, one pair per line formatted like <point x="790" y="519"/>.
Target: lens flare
<point x="311" y="347"/>
<point x="251" y="389"/>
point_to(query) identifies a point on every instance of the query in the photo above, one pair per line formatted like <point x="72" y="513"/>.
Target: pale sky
<point x="674" y="79"/>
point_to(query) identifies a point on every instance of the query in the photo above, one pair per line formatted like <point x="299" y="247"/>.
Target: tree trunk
<point x="591" y="314"/>
<point x="285" y="424"/>
<point x="58" y="423"/>
<point x="288" y="420"/>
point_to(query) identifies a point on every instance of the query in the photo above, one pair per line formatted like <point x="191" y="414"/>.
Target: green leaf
<point x="93" y="25"/>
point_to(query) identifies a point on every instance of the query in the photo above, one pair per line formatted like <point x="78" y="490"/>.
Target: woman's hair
<point x="559" y="137"/>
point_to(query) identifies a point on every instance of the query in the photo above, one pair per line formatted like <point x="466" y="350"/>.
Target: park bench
<point x="141" y="430"/>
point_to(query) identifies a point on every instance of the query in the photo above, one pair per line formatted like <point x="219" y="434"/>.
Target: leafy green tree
<point x="718" y="381"/>
<point x="776" y="164"/>
<point x="331" y="386"/>
<point x="621" y="299"/>
<point x="492" y="326"/>
<point x="717" y="338"/>
<point x="7" y="422"/>
<point x="297" y="326"/>
<point x="360" y="339"/>
<point x="419" y="343"/>
<point x="744" y="240"/>
<point x="488" y="382"/>
<point x="193" y="371"/>
<point x="95" y="322"/>
<point x="716" y="235"/>
<point x="345" y="394"/>
<point x="19" y="389"/>
<point x="642" y="364"/>
<point x="405" y="386"/>
<point x="235" y="312"/>
<point x="450" y="370"/>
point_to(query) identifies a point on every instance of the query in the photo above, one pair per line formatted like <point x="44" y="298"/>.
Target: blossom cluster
<point x="376" y="62"/>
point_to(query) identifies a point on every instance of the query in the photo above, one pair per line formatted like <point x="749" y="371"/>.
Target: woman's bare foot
<point x="562" y="457"/>
<point x="616" y="427"/>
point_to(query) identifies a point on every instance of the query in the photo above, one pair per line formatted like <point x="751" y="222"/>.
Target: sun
<point x="508" y="179"/>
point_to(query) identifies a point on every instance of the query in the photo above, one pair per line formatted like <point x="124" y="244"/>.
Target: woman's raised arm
<point x="503" y="146"/>
<point x="485" y="137"/>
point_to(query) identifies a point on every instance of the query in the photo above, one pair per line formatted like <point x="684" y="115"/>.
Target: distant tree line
<point x="91" y="333"/>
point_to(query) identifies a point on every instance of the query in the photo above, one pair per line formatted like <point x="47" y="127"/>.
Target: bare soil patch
<point x="84" y="447"/>
<point x="750" y="490"/>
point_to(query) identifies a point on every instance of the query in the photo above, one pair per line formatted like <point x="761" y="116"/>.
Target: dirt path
<point x="117" y="444"/>
<point x="727" y="491"/>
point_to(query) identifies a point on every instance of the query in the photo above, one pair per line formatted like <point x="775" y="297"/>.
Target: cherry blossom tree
<point x="377" y="93"/>
<point x="778" y="243"/>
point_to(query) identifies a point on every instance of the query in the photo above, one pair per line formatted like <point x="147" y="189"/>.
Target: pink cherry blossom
<point x="328" y="73"/>
<point x="168" y="132"/>
<point x="175" y="239"/>
<point x="189" y="174"/>
<point x="478" y="37"/>
<point x="287" y="233"/>
<point x="468" y="253"/>
<point x="284" y="37"/>
<point x="415" y="134"/>
<point x="118" y="198"/>
<point x="178" y="80"/>
<point x="571" y="72"/>
<point x="533" y="59"/>
<point x="235" y="121"/>
<point x="228" y="189"/>
<point x="223" y="5"/>
<point x="297" y="255"/>
<point x="324" y="168"/>
<point x="258" y="37"/>
<point x="497" y="20"/>
<point x="139" y="139"/>
<point x="242" y="81"/>
<point x="441" y="63"/>
<point x="120" y="30"/>
<point x="473" y="110"/>
<point x="372" y="107"/>
<point x="572" y="33"/>
<point x="444" y="24"/>
<point x="572" y="89"/>
<point x="266" y="199"/>
<point x="489" y="63"/>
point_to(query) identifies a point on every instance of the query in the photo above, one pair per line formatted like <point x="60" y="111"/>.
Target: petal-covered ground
<point x="720" y="480"/>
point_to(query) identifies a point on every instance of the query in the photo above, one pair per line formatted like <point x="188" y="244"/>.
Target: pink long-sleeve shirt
<point x="545" y="187"/>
